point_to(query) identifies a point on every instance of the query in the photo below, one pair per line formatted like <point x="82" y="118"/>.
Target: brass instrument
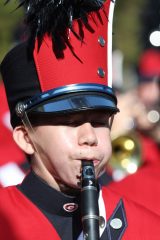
<point x="126" y="156"/>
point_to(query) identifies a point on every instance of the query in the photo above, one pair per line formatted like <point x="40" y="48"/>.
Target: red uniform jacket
<point x="142" y="187"/>
<point x="20" y="219"/>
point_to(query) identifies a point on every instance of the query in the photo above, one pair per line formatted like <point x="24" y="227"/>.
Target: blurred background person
<point x="148" y="91"/>
<point x="139" y="113"/>
<point x="138" y="90"/>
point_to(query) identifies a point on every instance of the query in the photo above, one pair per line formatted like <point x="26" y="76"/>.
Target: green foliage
<point x="127" y="28"/>
<point x="9" y="18"/>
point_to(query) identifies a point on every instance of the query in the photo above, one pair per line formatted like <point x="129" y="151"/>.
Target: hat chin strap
<point x="26" y="122"/>
<point x="61" y="186"/>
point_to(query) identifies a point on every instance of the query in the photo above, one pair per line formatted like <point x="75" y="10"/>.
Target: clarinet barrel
<point x="89" y="202"/>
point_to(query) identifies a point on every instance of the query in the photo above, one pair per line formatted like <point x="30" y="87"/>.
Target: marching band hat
<point x="67" y="65"/>
<point x="149" y="65"/>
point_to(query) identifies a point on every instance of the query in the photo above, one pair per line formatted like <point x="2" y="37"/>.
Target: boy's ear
<point x="23" y="140"/>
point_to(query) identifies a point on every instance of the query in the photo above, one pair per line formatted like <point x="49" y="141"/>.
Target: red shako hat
<point x="66" y="65"/>
<point x="149" y="64"/>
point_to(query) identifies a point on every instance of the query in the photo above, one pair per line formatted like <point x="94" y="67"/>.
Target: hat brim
<point x="76" y="102"/>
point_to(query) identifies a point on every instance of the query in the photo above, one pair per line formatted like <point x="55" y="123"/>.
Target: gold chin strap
<point x="111" y="121"/>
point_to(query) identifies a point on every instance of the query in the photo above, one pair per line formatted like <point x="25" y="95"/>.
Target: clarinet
<point x="89" y="202"/>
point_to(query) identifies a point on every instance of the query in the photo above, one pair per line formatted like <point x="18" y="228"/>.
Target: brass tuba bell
<point x="126" y="156"/>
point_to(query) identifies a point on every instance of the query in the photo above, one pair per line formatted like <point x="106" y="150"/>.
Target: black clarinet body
<point x="89" y="202"/>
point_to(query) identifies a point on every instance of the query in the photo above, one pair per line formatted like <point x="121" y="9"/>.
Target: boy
<point x="62" y="111"/>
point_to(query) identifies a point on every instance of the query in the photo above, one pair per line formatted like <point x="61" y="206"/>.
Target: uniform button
<point x="101" y="72"/>
<point x="101" y="222"/>
<point x="101" y="41"/>
<point x="116" y="223"/>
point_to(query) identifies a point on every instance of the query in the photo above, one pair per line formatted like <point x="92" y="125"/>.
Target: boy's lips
<point x="95" y="161"/>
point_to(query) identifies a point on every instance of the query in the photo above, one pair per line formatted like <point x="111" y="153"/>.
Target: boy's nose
<point x="87" y="135"/>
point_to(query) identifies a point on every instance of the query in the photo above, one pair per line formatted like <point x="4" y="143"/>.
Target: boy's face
<point x="69" y="140"/>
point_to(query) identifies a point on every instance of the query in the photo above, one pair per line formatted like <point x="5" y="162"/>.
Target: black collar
<point x="47" y="198"/>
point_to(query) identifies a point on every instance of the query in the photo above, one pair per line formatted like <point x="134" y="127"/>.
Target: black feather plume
<point x="55" y="17"/>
